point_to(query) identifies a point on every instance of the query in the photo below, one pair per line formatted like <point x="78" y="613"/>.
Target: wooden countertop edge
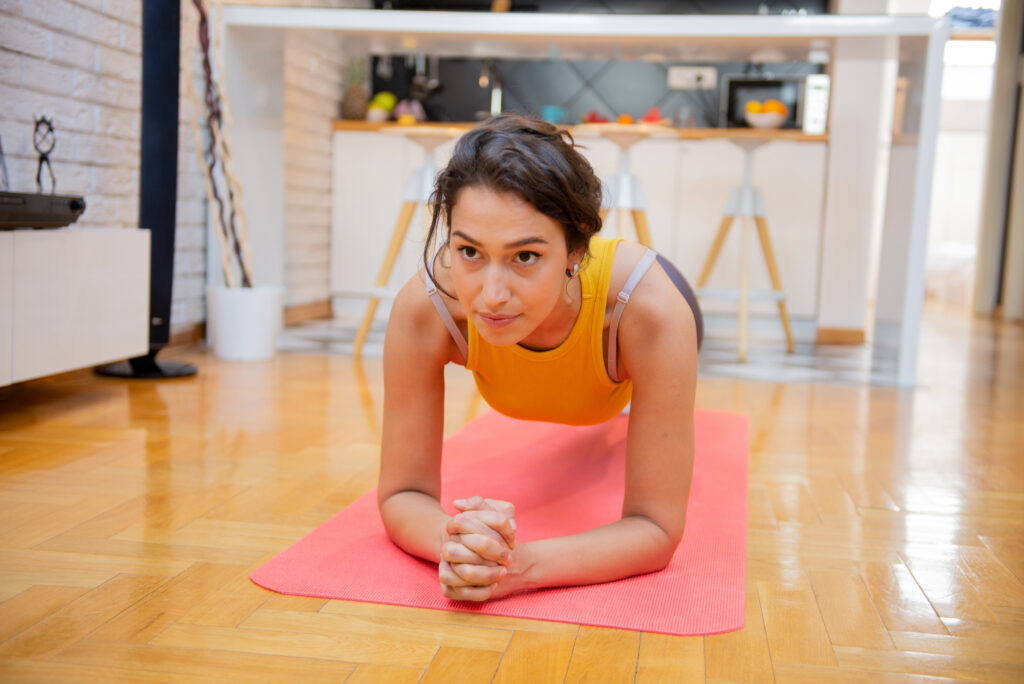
<point x="656" y="131"/>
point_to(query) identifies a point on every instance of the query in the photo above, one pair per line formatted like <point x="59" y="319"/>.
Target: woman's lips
<point x="497" y="321"/>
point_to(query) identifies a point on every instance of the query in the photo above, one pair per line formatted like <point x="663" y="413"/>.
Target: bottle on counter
<point x="354" y="100"/>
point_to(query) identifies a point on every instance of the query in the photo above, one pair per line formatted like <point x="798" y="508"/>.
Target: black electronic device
<point x="38" y="210"/>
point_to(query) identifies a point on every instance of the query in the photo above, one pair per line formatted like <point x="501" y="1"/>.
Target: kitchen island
<point x="866" y="206"/>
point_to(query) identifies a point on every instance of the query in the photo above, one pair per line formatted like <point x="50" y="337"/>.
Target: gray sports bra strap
<point x="620" y="305"/>
<point x="445" y="314"/>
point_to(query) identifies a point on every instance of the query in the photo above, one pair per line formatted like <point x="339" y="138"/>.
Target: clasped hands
<point x="477" y="550"/>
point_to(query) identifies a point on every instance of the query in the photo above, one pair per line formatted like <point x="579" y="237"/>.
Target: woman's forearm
<point x="415" y="522"/>
<point x="632" y="546"/>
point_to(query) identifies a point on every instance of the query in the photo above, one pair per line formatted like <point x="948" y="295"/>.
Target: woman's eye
<point x="468" y="252"/>
<point x="527" y="258"/>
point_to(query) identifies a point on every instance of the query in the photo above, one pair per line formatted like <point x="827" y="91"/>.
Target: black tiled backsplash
<point x="609" y="87"/>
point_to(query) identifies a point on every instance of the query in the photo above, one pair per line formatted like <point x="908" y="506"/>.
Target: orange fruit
<point x="625" y="119"/>
<point x="755" y="107"/>
<point x="776" y="107"/>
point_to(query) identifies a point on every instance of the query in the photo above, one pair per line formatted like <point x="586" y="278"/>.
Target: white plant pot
<point x="243" y="322"/>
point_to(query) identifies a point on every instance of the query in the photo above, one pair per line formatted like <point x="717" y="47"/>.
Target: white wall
<point x="959" y="170"/>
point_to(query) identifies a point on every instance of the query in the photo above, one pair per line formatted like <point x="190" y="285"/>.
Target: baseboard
<point x="308" y="312"/>
<point x="190" y="335"/>
<point x="841" y="336"/>
<point x="195" y="334"/>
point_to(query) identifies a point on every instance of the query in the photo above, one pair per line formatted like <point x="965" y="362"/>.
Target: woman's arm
<point x="658" y="345"/>
<point x="416" y="348"/>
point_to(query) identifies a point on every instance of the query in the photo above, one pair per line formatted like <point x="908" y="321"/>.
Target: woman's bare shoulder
<point x="656" y="307"/>
<point x="416" y="325"/>
<point x="627" y="256"/>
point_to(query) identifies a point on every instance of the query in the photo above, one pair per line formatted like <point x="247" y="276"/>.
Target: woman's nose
<point x="495" y="288"/>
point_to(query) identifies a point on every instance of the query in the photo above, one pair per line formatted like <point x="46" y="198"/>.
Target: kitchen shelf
<point x="581" y="36"/>
<point x="973" y="34"/>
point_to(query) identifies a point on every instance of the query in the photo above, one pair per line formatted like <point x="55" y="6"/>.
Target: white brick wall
<point x="78" y="63"/>
<point x="188" y="307"/>
<point x="313" y="83"/>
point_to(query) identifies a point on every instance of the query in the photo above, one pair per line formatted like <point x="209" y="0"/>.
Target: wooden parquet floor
<point x="885" y="542"/>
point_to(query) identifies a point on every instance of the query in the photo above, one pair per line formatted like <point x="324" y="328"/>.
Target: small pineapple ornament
<point x="354" y="100"/>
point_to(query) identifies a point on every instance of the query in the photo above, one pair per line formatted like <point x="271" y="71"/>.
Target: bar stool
<point x="625" y="192"/>
<point x="418" y="187"/>
<point x="746" y="204"/>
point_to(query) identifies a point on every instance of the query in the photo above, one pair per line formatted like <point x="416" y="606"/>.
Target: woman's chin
<point x="503" y="339"/>
<point x="500" y="334"/>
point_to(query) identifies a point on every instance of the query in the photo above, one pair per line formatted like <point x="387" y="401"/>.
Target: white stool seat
<point x="622" y="190"/>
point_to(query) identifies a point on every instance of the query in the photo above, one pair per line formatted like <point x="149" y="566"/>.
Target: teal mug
<point x="552" y="114"/>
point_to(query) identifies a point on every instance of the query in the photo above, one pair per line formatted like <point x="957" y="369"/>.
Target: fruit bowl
<point x="765" y="119"/>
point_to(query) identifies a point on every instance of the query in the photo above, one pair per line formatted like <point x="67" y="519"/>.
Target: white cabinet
<point x="72" y="298"/>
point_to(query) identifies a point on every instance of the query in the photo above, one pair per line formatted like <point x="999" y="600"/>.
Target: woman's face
<point x="508" y="264"/>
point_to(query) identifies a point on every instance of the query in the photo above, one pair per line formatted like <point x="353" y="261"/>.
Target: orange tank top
<point x="568" y="384"/>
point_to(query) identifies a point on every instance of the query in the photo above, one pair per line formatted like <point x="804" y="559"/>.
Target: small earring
<point x="572" y="274"/>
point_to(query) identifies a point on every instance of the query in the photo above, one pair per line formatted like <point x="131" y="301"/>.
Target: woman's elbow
<point x="666" y="552"/>
<point x="666" y="540"/>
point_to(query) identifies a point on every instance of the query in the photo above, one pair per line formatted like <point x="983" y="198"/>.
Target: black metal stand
<point x="158" y="184"/>
<point x="146" y="368"/>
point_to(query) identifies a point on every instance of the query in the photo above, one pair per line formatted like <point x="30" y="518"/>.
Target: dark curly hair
<point x="531" y="159"/>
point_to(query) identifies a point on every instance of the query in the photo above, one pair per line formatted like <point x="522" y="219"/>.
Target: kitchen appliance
<point x="805" y="96"/>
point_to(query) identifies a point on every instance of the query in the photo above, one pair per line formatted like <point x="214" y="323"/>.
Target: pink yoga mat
<point x="562" y="480"/>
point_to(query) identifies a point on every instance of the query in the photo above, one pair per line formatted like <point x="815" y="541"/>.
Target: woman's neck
<point x="557" y="327"/>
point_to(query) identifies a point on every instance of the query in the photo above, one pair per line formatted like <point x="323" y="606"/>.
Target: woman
<point x="524" y="295"/>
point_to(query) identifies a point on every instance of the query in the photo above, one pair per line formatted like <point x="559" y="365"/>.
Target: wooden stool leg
<point x="643" y="233"/>
<point x="716" y="248"/>
<point x="365" y="396"/>
<point x="395" y="246"/>
<point x="773" y="273"/>
<point x="743" y="314"/>
<point x="620" y="221"/>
